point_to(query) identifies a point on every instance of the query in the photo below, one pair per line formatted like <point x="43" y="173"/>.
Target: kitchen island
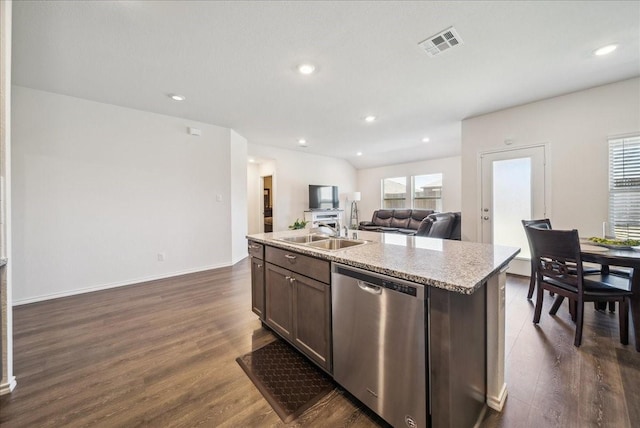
<point x="296" y="291"/>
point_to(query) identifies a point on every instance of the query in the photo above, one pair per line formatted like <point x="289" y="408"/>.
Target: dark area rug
<point x="286" y="379"/>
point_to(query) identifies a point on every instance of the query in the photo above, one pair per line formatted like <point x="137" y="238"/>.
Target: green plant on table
<point x="298" y="224"/>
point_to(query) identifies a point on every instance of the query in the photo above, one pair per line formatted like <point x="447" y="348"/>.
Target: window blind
<point x="624" y="187"/>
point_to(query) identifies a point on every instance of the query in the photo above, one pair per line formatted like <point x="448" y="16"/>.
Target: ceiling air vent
<point x="440" y="42"/>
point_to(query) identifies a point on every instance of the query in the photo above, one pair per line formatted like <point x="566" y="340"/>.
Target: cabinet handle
<point x="292" y="280"/>
<point x="259" y="265"/>
<point x="254" y="247"/>
<point x="287" y="277"/>
<point x="290" y="257"/>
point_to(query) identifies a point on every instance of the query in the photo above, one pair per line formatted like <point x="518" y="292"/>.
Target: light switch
<point x="219" y="198"/>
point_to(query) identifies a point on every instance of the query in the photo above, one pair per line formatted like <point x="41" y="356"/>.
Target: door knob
<point x="485" y="217"/>
<point x="486" y="210"/>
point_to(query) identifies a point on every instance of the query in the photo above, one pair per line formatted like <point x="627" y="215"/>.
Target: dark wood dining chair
<point x="559" y="269"/>
<point x="544" y="223"/>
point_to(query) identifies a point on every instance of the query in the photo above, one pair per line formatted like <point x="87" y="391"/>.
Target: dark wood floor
<point x="162" y="354"/>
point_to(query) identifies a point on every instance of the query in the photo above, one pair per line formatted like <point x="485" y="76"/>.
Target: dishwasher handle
<point x="370" y="288"/>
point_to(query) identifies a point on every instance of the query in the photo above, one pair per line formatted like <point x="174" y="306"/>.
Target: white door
<point x="513" y="189"/>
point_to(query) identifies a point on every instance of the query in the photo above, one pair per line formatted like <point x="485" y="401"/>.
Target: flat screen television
<point x="323" y="197"/>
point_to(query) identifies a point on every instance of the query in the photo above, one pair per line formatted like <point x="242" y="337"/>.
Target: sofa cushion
<point x="371" y="227"/>
<point x="456" y="232"/>
<point x="400" y="218"/>
<point x="416" y="218"/>
<point x="382" y="217"/>
<point x="425" y="226"/>
<point x="442" y="225"/>
<point x="407" y="231"/>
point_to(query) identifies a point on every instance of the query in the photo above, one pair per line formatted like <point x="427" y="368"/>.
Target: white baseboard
<point x="497" y="403"/>
<point x="6" y="388"/>
<point x="239" y="259"/>
<point x="114" y="285"/>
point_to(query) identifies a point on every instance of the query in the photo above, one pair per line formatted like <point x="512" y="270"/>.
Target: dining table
<point x="621" y="257"/>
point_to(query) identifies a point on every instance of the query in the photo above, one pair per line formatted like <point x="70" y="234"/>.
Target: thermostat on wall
<point x="194" y="131"/>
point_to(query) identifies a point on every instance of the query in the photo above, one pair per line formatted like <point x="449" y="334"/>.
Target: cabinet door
<point x="257" y="286"/>
<point x="279" y="298"/>
<point x="312" y="319"/>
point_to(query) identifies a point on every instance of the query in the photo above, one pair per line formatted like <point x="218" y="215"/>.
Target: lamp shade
<point x="355" y="196"/>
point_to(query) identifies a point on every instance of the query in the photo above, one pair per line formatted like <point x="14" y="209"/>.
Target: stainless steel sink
<point x="336" y="243"/>
<point x="305" y="239"/>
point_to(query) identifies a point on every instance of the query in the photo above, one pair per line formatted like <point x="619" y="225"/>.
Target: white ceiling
<point x="235" y="62"/>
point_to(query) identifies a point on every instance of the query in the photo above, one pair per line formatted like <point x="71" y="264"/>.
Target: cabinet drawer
<point x="308" y="266"/>
<point x="256" y="250"/>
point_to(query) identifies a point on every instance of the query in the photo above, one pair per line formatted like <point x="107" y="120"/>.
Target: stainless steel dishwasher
<point x="379" y="343"/>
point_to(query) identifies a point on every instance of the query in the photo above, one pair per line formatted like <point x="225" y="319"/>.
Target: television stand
<point x="328" y="217"/>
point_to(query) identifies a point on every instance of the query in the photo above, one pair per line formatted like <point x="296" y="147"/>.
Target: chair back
<point x="557" y="255"/>
<point x="442" y="225"/>
<point x="382" y="218"/>
<point x="543" y="223"/>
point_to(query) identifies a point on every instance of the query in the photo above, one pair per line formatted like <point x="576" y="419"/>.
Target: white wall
<point x="576" y="126"/>
<point x="239" y="204"/>
<point x="369" y="182"/>
<point x="292" y="172"/>
<point x="100" y="190"/>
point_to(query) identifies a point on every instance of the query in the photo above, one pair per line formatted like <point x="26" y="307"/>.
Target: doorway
<point x="267" y="203"/>
<point x="513" y="188"/>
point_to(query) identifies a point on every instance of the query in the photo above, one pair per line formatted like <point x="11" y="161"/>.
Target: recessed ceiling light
<point x="425" y="140"/>
<point x="176" y="97"/>
<point x="302" y="142"/>
<point x="605" y="50"/>
<point x="359" y="154"/>
<point x="370" y="119"/>
<point x="252" y="160"/>
<point x="306" y="69"/>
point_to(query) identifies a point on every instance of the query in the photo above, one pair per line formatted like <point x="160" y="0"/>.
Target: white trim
<point x="495" y="362"/>
<point x="7" y="380"/>
<point x="478" y="210"/>
<point x="513" y="148"/>
<point x="239" y="259"/>
<point x="6" y="388"/>
<point x="497" y="402"/>
<point x="547" y="178"/>
<point x="115" y="284"/>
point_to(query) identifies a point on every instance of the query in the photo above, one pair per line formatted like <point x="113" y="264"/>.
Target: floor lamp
<point x="353" y="219"/>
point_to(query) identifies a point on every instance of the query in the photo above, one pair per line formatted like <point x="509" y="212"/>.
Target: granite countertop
<point x="457" y="266"/>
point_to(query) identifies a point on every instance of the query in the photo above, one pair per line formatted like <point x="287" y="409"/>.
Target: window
<point x="624" y="187"/>
<point x="424" y="192"/>
<point x="394" y="192"/>
<point x="427" y="192"/>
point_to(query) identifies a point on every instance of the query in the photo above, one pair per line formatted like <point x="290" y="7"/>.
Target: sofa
<point x="415" y="222"/>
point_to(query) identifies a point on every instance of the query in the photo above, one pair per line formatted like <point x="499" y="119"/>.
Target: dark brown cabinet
<point x="256" y="252"/>
<point x="312" y="319"/>
<point x="279" y="300"/>
<point x="298" y="307"/>
<point x="257" y="286"/>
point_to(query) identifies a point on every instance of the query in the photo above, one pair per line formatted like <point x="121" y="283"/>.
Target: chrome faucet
<point x="335" y="230"/>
